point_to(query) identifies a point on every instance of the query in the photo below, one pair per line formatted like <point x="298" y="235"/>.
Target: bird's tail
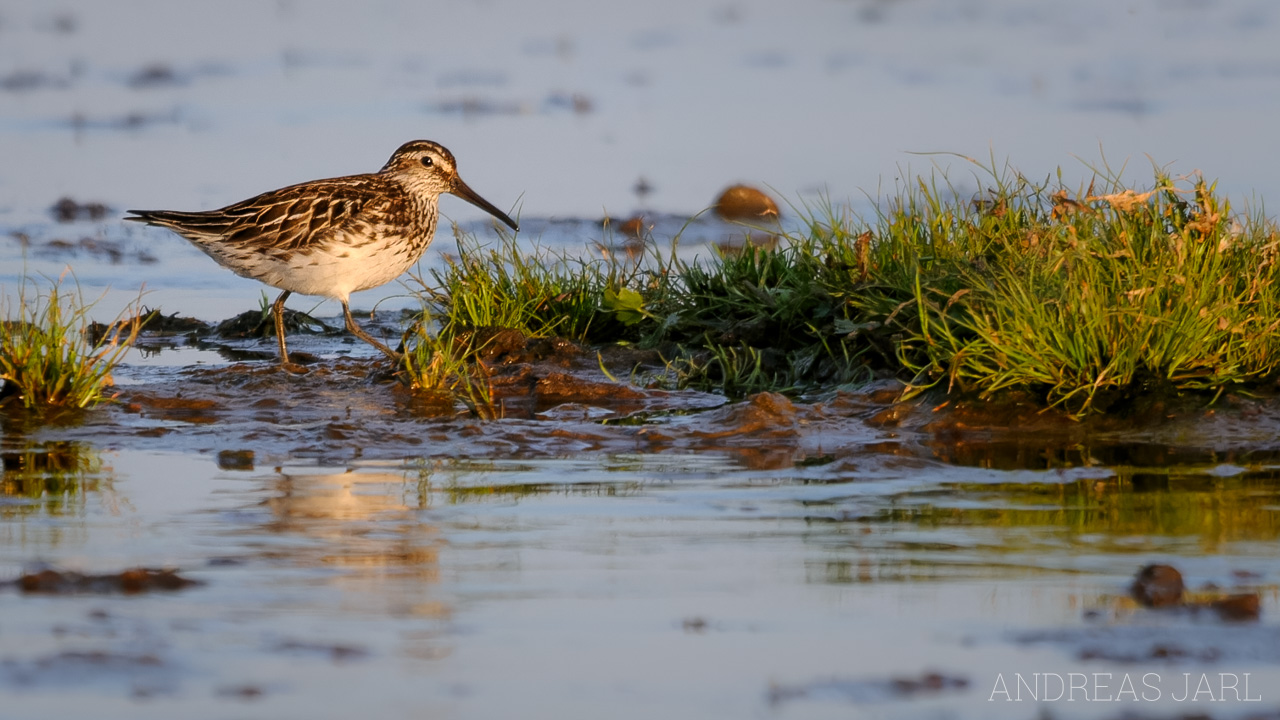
<point x="163" y="218"/>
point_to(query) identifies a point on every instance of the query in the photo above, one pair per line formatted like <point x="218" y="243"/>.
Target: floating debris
<point x="132" y="121"/>
<point x="335" y="652"/>
<point x="695" y="624"/>
<point x="898" y="688"/>
<point x="48" y="581"/>
<point x="154" y="75"/>
<point x="27" y="80"/>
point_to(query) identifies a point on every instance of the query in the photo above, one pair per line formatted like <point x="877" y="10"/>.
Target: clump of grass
<point x="1083" y="297"/>
<point x="448" y="367"/>
<point x="539" y="292"/>
<point x="757" y="319"/>
<point x="47" y="357"/>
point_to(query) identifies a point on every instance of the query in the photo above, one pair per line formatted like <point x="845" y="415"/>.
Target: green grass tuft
<point x="47" y="357"/>
<point x="448" y="367"/>
<point x="539" y="292"/>
<point x="1083" y="297"/>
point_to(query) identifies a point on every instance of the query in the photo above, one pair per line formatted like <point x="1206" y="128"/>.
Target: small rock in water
<point x="634" y="227"/>
<point x="67" y="210"/>
<point x="1158" y="586"/>
<point x="1238" y="608"/>
<point x="235" y="459"/>
<point x="745" y="203"/>
<point x="49" y="581"/>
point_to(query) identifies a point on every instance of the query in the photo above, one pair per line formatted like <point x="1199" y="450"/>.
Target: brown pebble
<point x="1158" y="586"/>
<point x="634" y="227"/>
<point x="745" y="203"/>
<point x="131" y="581"/>
<point x="1238" y="608"/>
<point x="42" y="581"/>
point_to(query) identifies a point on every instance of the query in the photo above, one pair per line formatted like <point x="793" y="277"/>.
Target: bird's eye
<point x="427" y="161"/>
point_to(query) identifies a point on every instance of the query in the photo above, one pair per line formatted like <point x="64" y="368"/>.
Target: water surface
<point x="663" y="556"/>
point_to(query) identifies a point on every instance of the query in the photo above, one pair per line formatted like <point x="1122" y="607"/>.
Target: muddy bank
<point x="552" y="397"/>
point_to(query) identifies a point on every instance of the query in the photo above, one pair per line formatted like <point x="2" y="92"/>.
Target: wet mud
<point x="355" y="404"/>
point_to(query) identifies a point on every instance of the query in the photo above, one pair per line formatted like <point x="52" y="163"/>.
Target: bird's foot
<point x="294" y="368"/>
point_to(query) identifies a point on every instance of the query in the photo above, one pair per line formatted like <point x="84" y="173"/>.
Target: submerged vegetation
<point x="1081" y="298"/>
<point x="52" y="356"/>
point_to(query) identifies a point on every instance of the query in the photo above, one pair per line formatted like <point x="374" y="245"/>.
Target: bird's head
<point x="428" y="167"/>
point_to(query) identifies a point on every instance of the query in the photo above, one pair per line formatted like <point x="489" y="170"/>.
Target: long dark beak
<point x="466" y="193"/>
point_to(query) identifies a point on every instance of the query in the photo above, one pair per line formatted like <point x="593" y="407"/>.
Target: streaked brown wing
<point x="288" y="220"/>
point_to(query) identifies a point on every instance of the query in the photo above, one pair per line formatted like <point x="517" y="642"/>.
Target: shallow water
<point x="662" y="554"/>
<point x="764" y="559"/>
